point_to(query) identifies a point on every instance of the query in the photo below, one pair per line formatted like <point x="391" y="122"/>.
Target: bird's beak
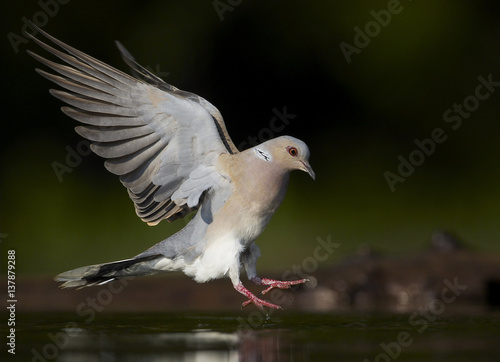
<point x="307" y="168"/>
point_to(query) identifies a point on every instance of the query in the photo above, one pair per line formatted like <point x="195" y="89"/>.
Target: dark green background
<point x="357" y="118"/>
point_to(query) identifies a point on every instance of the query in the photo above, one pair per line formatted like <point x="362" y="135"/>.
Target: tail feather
<point x="99" y="274"/>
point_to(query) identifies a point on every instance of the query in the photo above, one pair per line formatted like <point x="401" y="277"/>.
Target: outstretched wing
<point x="142" y="73"/>
<point x="162" y="142"/>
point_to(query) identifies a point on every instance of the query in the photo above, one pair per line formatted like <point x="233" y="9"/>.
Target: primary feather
<point x="145" y="128"/>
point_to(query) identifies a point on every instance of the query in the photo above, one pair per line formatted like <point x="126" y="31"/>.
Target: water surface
<point x="250" y="336"/>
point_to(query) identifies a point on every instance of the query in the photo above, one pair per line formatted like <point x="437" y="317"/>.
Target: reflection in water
<point x="209" y="356"/>
<point x="281" y="337"/>
<point x="199" y="345"/>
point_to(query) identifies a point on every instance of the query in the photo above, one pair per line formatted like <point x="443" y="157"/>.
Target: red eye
<point x="292" y="151"/>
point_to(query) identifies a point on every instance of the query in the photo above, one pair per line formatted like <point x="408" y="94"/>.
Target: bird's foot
<point x="252" y="298"/>
<point x="272" y="283"/>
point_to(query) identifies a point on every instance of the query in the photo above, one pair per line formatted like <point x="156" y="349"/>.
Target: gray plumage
<point x="171" y="150"/>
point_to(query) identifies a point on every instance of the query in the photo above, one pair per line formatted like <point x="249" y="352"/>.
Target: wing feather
<point x="162" y="142"/>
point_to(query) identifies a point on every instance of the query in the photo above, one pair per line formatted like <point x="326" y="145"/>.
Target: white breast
<point x="219" y="256"/>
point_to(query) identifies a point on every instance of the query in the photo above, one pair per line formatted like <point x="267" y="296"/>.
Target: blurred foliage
<point x="357" y="118"/>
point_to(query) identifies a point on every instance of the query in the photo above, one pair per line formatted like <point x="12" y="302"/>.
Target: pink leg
<point x="272" y="283"/>
<point x="259" y="303"/>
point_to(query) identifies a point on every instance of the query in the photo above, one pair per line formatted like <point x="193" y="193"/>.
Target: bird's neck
<point x="267" y="182"/>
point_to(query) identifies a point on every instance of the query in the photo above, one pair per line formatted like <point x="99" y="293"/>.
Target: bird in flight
<point x="172" y="151"/>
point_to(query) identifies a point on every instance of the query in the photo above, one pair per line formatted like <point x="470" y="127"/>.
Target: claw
<point x="259" y="303"/>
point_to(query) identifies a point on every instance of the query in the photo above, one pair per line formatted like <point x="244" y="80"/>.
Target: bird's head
<point x="288" y="152"/>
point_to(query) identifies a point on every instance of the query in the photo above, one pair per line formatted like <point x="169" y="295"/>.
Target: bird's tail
<point x="103" y="273"/>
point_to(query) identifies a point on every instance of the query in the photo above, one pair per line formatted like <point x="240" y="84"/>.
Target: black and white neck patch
<point x="263" y="154"/>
